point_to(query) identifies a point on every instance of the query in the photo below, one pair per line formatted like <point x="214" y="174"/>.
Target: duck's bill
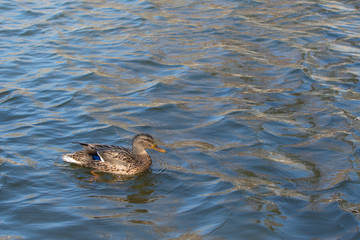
<point x="155" y="147"/>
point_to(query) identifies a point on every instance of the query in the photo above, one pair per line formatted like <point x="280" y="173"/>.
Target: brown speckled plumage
<point x="116" y="159"/>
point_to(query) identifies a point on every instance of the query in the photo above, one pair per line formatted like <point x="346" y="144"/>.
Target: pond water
<point x="256" y="102"/>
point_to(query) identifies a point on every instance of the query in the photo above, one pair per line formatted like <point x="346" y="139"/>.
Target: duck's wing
<point x="92" y="149"/>
<point x="116" y="156"/>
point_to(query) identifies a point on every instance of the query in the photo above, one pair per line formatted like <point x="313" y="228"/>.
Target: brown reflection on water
<point x="130" y="193"/>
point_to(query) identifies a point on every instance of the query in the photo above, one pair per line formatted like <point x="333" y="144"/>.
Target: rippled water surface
<point x="256" y="102"/>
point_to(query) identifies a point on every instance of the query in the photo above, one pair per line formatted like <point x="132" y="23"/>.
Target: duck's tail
<point x="69" y="159"/>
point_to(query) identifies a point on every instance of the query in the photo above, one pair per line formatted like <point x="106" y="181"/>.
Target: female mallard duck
<point x="116" y="159"/>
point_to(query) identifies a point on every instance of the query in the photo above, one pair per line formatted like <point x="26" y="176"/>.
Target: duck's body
<point x="116" y="159"/>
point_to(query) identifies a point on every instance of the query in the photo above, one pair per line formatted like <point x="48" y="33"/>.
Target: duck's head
<point x="144" y="141"/>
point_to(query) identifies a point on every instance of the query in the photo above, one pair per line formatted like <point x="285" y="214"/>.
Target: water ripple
<point x="256" y="103"/>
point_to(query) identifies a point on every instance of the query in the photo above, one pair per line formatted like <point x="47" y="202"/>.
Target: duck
<point x="116" y="159"/>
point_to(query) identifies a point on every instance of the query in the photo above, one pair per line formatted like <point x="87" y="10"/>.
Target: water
<point x="256" y="102"/>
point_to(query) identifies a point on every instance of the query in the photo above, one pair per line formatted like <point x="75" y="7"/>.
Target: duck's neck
<point x="140" y="152"/>
<point x="143" y="160"/>
<point x="142" y="155"/>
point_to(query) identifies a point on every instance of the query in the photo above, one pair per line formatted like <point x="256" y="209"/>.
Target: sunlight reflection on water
<point x="256" y="103"/>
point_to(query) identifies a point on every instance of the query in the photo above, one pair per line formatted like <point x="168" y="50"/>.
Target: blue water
<point x="256" y="102"/>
